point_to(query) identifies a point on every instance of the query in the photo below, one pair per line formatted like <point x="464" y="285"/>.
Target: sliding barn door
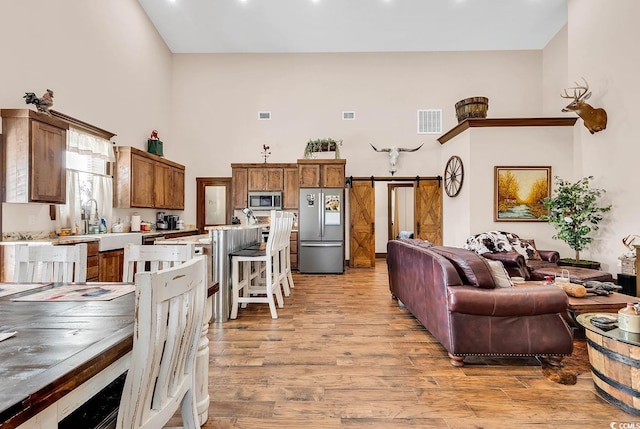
<point x="428" y="211"/>
<point x="362" y="249"/>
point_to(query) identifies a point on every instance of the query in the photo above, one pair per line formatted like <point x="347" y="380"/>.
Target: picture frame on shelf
<point x="519" y="191"/>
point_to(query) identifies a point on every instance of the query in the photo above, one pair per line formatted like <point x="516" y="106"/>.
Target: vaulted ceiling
<point x="281" y="26"/>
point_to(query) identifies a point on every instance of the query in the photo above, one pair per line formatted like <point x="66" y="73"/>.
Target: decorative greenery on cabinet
<point x="322" y="145"/>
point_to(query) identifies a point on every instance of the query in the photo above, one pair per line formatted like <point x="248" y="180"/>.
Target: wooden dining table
<point x="64" y="352"/>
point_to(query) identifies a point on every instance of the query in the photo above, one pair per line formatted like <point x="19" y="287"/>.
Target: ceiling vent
<point x="430" y="121"/>
<point x="348" y="116"/>
<point x="264" y="116"/>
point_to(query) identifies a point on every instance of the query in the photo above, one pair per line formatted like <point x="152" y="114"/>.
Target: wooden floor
<point x="342" y="354"/>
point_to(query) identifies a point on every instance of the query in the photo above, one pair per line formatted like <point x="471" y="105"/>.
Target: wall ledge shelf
<point x="506" y="122"/>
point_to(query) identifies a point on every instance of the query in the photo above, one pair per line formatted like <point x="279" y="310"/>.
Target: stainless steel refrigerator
<point x="321" y="230"/>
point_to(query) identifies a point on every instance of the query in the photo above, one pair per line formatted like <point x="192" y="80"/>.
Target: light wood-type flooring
<point x="342" y="354"/>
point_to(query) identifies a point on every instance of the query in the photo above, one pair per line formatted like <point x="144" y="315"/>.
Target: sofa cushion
<point x="505" y="302"/>
<point x="500" y="275"/>
<point x="469" y="266"/>
<point x="417" y="242"/>
<point x="535" y="264"/>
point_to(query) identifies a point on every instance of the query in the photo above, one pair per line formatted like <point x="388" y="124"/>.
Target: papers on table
<point x="81" y="292"/>
<point x="11" y="288"/>
<point x="5" y="335"/>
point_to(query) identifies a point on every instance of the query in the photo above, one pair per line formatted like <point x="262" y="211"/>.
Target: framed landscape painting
<point x="519" y="192"/>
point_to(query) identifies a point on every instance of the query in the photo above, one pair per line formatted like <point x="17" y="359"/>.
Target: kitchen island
<point x="226" y="239"/>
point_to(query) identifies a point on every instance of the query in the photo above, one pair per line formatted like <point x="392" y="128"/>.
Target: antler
<point x="401" y="149"/>
<point x="629" y="240"/>
<point x="380" y="150"/>
<point x="583" y="90"/>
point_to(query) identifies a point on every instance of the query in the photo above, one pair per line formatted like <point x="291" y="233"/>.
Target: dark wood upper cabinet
<point x="325" y="173"/>
<point x="145" y="180"/>
<point x="34" y="146"/>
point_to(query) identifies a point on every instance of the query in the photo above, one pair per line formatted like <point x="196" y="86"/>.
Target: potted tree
<point x="322" y="145"/>
<point x="574" y="212"/>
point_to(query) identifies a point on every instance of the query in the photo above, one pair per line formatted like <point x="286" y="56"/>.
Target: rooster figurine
<point x="43" y="104"/>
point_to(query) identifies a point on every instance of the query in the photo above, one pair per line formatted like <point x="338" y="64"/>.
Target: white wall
<point x="216" y="99"/>
<point x="554" y="75"/>
<point x="602" y="46"/>
<point x="106" y="64"/>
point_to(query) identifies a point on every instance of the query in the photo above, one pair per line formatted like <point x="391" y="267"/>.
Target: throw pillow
<point x="469" y="266"/>
<point x="499" y="273"/>
<point x="525" y="248"/>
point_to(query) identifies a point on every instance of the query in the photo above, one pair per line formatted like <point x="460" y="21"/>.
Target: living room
<point x="124" y="78"/>
<point x="109" y="66"/>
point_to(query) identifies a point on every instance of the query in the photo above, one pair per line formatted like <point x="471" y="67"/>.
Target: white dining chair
<point x="139" y="258"/>
<point x="161" y="378"/>
<point x="39" y="263"/>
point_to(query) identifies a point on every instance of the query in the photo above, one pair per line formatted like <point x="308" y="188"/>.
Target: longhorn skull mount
<point x="394" y="153"/>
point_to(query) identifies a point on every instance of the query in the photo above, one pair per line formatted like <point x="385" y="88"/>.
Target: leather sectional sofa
<point x="521" y="257"/>
<point x="453" y="294"/>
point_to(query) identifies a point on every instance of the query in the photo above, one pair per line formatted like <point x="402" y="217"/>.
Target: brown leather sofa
<point x="521" y="258"/>
<point x="452" y="293"/>
<point x="547" y="265"/>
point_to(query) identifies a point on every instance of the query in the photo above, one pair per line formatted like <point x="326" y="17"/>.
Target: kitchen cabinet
<point x="111" y="264"/>
<point x="92" y="258"/>
<point x="145" y="180"/>
<point x="290" y="192"/>
<point x="264" y="179"/>
<point x="34" y="148"/>
<point x="259" y="177"/>
<point x="239" y="191"/>
<point x="321" y="173"/>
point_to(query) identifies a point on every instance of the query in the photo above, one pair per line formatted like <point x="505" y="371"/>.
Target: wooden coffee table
<point x="590" y="304"/>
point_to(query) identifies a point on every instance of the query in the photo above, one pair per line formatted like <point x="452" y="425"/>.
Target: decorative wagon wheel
<point x="453" y="176"/>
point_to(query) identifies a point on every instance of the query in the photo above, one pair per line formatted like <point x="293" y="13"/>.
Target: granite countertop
<point x="42" y="237"/>
<point x="225" y="227"/>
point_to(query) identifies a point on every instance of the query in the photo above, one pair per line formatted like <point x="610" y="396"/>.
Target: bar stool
<point x="284" y="257"/>
<point x="252" y="287"/>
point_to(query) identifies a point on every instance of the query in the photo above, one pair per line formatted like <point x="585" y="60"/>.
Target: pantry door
<point x="362" y="243"/>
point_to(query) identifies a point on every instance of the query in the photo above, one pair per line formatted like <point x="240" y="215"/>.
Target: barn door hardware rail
<point x="349" y="180"/>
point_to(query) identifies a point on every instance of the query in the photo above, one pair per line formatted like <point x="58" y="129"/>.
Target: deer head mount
<point x="394" y="153"/>
<point x="594" y="119"/>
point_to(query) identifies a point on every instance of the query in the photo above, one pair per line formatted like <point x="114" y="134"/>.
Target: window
<point x="87" y="160"/>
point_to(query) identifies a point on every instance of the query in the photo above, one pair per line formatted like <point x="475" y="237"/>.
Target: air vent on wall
<point x="348" y="116"/>
<point x="430" y="121"/>
<point x="264" y="116"/>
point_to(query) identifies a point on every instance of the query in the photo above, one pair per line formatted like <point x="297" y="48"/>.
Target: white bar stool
<point x="254" y="288"/>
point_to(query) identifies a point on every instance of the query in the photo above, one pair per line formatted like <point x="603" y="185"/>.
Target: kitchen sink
<point x="115" y="240"/>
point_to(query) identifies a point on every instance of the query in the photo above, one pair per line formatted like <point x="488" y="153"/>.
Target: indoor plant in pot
<point x="574" y="212"/>
<point x="322" y="145"/>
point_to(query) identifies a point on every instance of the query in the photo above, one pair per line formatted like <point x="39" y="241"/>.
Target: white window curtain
<point x="87" y="144"/>
<point x="68" y="215"/>
<point x="86" y="180"/>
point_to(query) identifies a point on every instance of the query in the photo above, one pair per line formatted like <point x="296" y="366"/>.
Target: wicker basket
<point x="628" y="266"/>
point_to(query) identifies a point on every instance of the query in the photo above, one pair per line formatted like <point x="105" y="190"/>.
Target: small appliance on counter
<point x="161" y="222"/>
<point x="172" y="222"/>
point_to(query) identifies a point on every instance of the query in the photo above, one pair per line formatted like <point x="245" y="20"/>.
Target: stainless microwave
<point x="261" y="200"/>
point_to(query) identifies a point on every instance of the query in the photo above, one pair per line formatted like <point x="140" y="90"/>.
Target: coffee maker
<point x="161" y="221"/>
<point x="172" y="222"/>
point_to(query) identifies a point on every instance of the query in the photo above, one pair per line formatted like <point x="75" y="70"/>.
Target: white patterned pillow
<point x="492" y="241"/>
<point x="526" y="248"/>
